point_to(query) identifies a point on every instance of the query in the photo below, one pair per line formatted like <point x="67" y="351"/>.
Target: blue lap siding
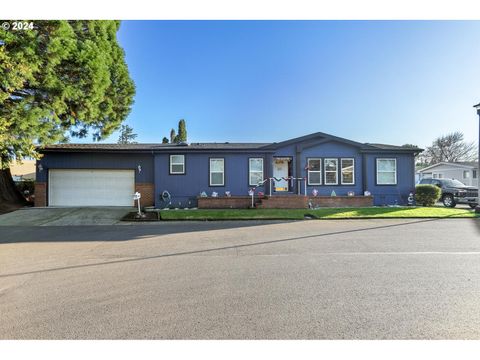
<point x="185" y="188"/>
<point x="92" y="160"/>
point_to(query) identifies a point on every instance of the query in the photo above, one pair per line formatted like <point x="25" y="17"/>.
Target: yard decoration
<point x="411" y="199"/>
<point x="214" y="194"/>
<point x="351" y="193"/>
<point x="203" y="194"/>
<point x="333" y="193"/>
<point x="228" y="194"/>
<point x="314" y="192"/>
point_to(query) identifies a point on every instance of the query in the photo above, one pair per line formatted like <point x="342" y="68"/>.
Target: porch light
<point x="40" y="167"/>
<point x="139" y="168"/>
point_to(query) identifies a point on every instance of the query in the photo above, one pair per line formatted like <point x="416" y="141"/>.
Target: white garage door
<point x="91" y="187"/>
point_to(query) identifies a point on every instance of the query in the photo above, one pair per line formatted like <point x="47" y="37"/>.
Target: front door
<point x="280" y="170"/>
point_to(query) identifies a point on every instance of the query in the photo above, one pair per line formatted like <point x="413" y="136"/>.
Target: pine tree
<point x="173" y="136"/>
<point x="164" y="140"/>
<point x="127" y="136"/>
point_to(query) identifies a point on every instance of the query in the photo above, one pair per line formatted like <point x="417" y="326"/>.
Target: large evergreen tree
<point x="63" y="78"/>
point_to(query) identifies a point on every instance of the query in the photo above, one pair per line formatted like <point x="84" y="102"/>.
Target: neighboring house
<point x="463" y="171"/>
<point x="23" y="171"/>
<point x="108" y="174"/>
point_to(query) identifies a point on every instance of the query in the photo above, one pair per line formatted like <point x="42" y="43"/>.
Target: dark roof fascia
<point x="320" y="135"/>
<point x="390" y="151"/>
<point x="155" y="151"/>
<point x="224" y="150"/>
<point x="72" y="150"/>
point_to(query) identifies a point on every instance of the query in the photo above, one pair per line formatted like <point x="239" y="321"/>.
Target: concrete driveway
<point x="348" y="279"/>
<point x="64" y="216"/>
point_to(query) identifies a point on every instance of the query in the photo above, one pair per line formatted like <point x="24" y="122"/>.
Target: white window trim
<point x="353" y="171"/>
<point x="314" y="171"/>
<point x="377" y="171"/>
<point x="216" y="172"/>
<point x="250" y="171"/>
<point x="172" y="163"/>
<point x="325" y="171"/>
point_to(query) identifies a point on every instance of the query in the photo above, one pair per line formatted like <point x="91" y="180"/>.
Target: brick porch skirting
<point x="283" y="202"/>
<point x="341" y="201"/>
<point x="233" y="202"/>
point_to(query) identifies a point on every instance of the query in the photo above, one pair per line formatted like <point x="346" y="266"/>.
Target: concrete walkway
<point x="64" y="216"/>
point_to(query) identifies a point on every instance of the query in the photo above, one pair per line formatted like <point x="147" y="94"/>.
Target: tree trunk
<point x="9" y="194"/>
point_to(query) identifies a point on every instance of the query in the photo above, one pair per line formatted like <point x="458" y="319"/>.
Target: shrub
<point x="427" y="195"/>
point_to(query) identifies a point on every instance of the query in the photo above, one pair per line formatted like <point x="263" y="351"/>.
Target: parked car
<point x="454" y="192"/>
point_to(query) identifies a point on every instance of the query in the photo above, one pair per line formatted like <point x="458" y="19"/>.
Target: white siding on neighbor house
<point x="450" y="172"/>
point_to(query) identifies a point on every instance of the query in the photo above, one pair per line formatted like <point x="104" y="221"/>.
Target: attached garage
<point x="90" y="187"/>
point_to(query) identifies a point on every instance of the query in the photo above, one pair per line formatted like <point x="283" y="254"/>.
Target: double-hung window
<point x="255" y="171"/>
<point x="331" y="171"/>
<point x="217" y="172"/>
<point x="387" y="171"/>
<point x="177" y="164"/>
<point x="314" y="171"/>
<point x="348" y="171"/>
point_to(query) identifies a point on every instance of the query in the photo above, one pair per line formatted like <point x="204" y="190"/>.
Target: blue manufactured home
<point x="316" y="164"/>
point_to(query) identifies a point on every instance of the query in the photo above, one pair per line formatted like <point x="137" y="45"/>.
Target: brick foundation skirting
<point x="341" y="201"/>
<point x="284" y="202"/>
<point x="148" y="193"/>
<point x="40" y="194"/>
<point x="234" y="202"/>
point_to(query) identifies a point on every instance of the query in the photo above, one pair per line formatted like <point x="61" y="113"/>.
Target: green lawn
<point x="325" y="213"/>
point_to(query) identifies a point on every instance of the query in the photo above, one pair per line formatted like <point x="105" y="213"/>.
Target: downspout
<point x="364" y="173"/>
<point x="298" y="160"/>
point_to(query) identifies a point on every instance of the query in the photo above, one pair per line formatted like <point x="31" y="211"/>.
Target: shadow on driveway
<point x="97" y="235"/>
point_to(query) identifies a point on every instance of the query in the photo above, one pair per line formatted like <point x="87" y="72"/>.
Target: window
<point x="435" y="176"/>
<point x="331" y="167"/>
<point x="255" y="171"/>
<point x="466" y="174"/>
<point x="474" y="174"/>
<point x="217" y="172"/>
<point x="177" y="164"/>
<point x="387" y="171"/>
<point x="440" y="176"/>
<point x="314" y="171"/>
<point x="348" y="171"/>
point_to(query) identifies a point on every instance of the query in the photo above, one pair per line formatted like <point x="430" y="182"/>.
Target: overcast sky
<point x="369" y="81"/>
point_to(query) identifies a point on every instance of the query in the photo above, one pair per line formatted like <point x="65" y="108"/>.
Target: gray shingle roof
<point x="100" y="147"/>
<point x="151" y="147"/>
<point x="391" y="147"/>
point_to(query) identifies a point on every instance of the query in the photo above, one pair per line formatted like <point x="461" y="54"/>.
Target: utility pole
<point x="477" y="209"/>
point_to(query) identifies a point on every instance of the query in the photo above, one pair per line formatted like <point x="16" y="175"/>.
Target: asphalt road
<point x="358" y="279"/>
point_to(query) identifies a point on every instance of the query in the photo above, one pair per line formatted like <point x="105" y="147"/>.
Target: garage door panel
<point x="91" y="187"/>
